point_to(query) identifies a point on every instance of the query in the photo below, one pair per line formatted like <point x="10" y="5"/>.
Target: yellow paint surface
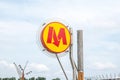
<point x="51" y="47"/>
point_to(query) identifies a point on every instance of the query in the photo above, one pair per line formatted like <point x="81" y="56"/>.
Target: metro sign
<point x="55" y="37"/>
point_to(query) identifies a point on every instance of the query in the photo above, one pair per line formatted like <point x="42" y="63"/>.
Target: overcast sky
<point x="20" y="21"/>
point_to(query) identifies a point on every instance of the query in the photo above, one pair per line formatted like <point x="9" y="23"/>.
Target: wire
<point x="61" y="66"/>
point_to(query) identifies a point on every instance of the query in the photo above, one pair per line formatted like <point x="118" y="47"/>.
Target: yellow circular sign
<point x="55" y="37"/>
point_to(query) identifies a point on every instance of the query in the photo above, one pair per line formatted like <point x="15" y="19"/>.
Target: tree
<point x="56" y="79"/>
<point x="24" y="79"/>
<point x="12" y="78"/>
<point x="40" y="78"/>
<point x="5" y="79"/>
<point x="32" y="78"/>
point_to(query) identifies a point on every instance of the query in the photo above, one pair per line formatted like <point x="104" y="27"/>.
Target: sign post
<point x="56" y="39"/>
<point x="80" y="54"/>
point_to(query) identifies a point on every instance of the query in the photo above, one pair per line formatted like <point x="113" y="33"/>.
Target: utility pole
<point x="80" y="54"/>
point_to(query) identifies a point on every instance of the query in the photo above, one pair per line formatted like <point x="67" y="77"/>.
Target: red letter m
<point x="56" y="38"/>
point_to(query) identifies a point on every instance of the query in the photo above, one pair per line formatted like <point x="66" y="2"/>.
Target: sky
<point x="20" y="21"/>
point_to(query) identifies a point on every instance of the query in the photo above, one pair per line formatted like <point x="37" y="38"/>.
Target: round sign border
<point x="43" y="43"/>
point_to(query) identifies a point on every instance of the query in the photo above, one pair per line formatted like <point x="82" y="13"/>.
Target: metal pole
<point x="71" y="58"/>
<point x="61" y="66"/>
<point x="80" y="54"/>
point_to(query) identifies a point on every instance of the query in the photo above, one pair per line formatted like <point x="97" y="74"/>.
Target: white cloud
<point x="6" y="67"/>
<point x="4" y="63"/>
<point x="111" y="45"/>
<point x="38" y="67"/>
<point x="103" y="66"/>
<point x="12" y="27"/>
<point x="16" y="32"/>
<point x="77" y="14"/>
<point x="5" y="6"/>
<point x="61" y="74"/>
